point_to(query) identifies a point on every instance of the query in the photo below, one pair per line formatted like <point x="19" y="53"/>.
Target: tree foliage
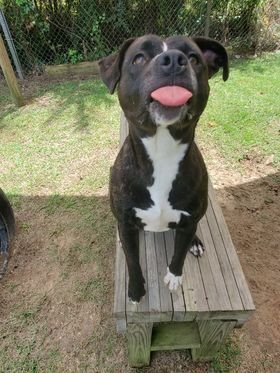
<point x="58" y="31"/>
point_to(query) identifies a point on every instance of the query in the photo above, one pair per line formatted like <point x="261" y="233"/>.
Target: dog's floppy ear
<point x="214" y="54"/>
<point x="110" y="66"/>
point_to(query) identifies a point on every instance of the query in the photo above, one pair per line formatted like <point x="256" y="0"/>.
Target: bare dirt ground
<point x="56" y="299"/>
<point x="251" y="204"/>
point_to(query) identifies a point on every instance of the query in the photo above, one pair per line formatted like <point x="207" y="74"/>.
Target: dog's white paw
<point x="197" y="250"/>
<point x="134" y="302"/>
<point x="172" y="281"/>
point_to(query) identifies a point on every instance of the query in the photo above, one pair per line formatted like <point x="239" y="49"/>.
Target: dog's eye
<point x="139" y="59"/>
<point x="193" y="59"/>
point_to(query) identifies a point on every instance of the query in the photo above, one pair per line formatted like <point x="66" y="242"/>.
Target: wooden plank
<point x="139" y="344"/>
<point x="211" y="293"/>
<point x="212" y="334"/>
<point x="66" y="69"/>
<point x="178" y="296"/>
<point x="9" y="75"/>
<point x="188" y="288"/>
<point x="152" y="276"/>
<point x="121" y="325"/>
<point x="223" y="302"/>
<point x="164" y="293"/>
<point x="241" y="282"/>
<point x="239" y="316"/>
<point x="139" y="312"/>
<point x="193" y="283"/>
<point x="144" y="304"/>
<point x="229" y="279"/>
<point x="120" y="282"/>
<point x="123" y="129"/>
<point x="175" y="336"/>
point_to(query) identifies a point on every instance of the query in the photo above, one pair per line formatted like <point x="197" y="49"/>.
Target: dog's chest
<point x="165" y="154"/>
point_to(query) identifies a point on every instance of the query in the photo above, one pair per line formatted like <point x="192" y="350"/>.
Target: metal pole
<point x="9" y="39"/>
<point x="208" y="14"/>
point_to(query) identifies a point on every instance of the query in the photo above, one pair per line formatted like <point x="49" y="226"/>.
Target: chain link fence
<point x="47" y="32"/>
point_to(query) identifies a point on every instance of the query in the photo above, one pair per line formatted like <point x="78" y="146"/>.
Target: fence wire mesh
<point x="69" y="31"/>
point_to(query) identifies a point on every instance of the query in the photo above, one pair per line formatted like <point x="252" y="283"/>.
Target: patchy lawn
<point x="243" y="114"/>
<point x="55" y="154"/>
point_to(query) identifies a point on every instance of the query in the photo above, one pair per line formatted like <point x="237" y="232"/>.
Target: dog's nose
<point x="173" y="61"/>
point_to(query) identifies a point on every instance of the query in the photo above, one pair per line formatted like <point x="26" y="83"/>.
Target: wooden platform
<point x="214" y="297"/>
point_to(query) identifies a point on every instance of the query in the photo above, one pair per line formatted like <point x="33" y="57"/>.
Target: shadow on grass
<point x="7" y="106"/>
<point x="89" y="92"/>
<point x="65" y="248"/>
<point x="251" y="211"/>
<point x="71" y="231"/>
<point x="57" y="292"/>
<point x="84" y="95"/>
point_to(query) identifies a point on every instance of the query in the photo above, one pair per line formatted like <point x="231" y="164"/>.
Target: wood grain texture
<point x="123" y="129"/>
<point x="212" y="334"/>
<point x="225" y="267"/>
<point x="222" y="301"/>
<point x="139" y="344"/>
<point x="193" y="283"/>
<point x="211" y="293"/>
<point x="179" y="309"/>
<point x="152" y="276"/>
<point x="120" y="283"/>
<point x="165" y="296"/>
<point x="121" y="325"/>
<point x="175" y="336"/>
<point x="9" y="75"/>
<point x="68" y="69"/>
<point x="241" y="282"/>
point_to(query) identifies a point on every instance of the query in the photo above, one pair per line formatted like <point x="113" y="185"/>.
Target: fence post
<point x="208" y="14"/>
<point x="9" y="74"/>
<point x="9" y="39"/>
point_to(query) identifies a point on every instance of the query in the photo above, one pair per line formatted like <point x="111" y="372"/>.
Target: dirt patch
<point x="56" y="299"/>
<point x="250" y="202"/>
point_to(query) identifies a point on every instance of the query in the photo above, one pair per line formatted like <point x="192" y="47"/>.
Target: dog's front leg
<point x="183" y="241"/>
<point x="129" y="237"/>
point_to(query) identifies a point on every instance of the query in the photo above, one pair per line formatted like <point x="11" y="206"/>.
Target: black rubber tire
<point x="7" y="215"/>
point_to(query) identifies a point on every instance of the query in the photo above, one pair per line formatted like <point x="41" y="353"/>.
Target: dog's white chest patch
<point x="165" y="153"/>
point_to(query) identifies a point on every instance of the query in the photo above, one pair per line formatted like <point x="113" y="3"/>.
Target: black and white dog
<point x="159" y="179"/>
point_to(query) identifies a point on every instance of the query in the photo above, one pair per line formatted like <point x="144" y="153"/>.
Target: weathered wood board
<point x="9" y="75"/>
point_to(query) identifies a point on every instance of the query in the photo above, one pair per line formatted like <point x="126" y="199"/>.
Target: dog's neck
<point x="137" y="138"/>
<point x="183" y="134"/>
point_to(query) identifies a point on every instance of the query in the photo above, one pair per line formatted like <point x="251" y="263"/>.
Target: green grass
<point x="56" y="142"/>
<point x="55" y="156"/>
<point x="243" y="114"/>
<point x="228" y="358"/>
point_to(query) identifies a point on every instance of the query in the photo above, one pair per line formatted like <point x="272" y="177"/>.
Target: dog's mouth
<point x="171" y="96"/>
<point x="170" y="104"/>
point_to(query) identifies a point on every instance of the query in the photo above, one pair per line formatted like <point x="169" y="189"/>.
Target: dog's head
<point x="163" y="82"/>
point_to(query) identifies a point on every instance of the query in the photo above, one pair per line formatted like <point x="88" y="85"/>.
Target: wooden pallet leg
<point x="139" y="344"/>
<point x="212" y="334"/>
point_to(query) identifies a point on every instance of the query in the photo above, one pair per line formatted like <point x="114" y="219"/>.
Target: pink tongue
<point x="172" y="95"/>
